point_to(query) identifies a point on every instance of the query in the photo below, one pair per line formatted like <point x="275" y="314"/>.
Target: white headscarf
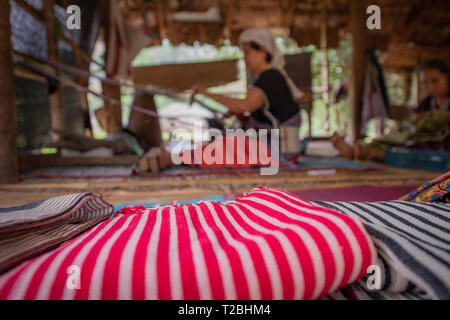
<point x="265" y="38"/>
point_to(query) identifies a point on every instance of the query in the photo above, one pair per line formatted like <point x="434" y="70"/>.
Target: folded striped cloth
<point x="33" y="229"/>
<point x="268" y="244"/>
<point x="413" y="241"/>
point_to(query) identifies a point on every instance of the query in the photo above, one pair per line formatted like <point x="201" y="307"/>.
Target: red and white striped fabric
<point x="266" y="245"/>
<point x="125" y="42"/>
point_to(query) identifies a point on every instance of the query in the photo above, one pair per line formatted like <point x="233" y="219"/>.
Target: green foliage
<point x="169" y="54"/>
<point x="338" y="60"/>
<point x="49" y="151"/>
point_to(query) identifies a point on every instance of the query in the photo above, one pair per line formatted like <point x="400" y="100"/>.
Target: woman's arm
<point x="251" y="103"/>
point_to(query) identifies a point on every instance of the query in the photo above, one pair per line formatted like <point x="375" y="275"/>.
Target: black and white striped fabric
<point x="413" y="242"/>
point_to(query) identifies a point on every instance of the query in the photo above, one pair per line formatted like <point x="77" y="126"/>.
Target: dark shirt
<point x="431" y="104"/>
<point x="282" y="104"/>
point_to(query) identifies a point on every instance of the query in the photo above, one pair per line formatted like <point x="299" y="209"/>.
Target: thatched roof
<point x="412" y="30"/>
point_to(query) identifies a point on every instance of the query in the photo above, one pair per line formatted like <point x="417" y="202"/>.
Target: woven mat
<point x="305" y="163"/>
<point x="86" y="172"/>
<point x="362" y="193"/>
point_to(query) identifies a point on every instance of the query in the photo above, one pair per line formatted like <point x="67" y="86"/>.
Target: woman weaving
<point x="271" y="102"/>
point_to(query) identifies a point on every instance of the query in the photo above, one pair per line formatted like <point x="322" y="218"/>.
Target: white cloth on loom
<point x="125" y="42"/>
<point x="373" y="102"/>
<point x="265" y="38"/>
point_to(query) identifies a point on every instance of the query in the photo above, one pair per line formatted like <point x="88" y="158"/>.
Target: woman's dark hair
<point x="435" y="64"/>
<point x="257" y="47"/>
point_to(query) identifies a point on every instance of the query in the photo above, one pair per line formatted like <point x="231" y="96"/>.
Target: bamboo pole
<point x="418" y="89"/>
<point x="359" y="29"/>
<point x="289" y="13"/>
<point x="310" y="110"/>
<point x="228" y="20"/>
<point x="84" y="81"/>
<point x="407" y="78"/>
<point x="325" y="65"/>
<point x="145" y="126"/>
<point x="160" y="20"/>
<point x="112" y="112"/>
<point x="9" y="161"/>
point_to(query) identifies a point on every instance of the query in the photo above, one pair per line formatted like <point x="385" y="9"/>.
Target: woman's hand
<point x="199" y="89"/>
<point x="253" y="102"/>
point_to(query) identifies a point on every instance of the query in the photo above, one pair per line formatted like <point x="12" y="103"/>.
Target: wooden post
<point x="202" y="33"/>
<point x="407" y="78"/>
<point x="113" y="112"/>
<point x="84" y="81"/>
<point x="418" y="89"/>
<point x="56" y="104"/>
<point x="86" y="112"/>
<point x="160" y="20"/>
<point x="310" y="109"/>
<point x="228" y="18"/>
<point x="143" y="126"/>
<point x="289" y="13"/>
<point x="359" y="29"/>
<point x="325" y="65"/>
<point x="9" y="162"/>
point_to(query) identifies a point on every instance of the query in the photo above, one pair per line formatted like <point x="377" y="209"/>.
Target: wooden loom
<point x="300" y="17"/>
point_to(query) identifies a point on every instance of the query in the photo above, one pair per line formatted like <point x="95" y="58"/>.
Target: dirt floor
<point x="164" y="190"/>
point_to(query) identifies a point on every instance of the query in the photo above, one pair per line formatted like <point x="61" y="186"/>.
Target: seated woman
<point x="430" y="129"/>
<point x="272" y="101"/>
